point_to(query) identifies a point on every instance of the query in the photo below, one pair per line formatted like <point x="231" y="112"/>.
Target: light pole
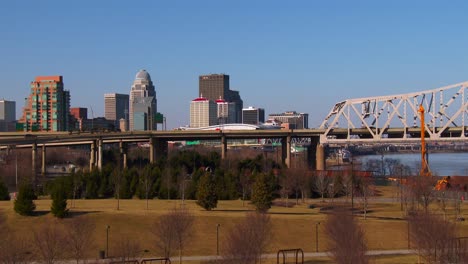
<point x="316" y="236"/>
<point x="352" y="184"/>
<point x="16" y="169"/>
<point x="107" y="240"/>
<point x="408" y="231"/>
<point x="217" y="239"/>
<point x="187" y="178"/>
<point x="401" y="187"/>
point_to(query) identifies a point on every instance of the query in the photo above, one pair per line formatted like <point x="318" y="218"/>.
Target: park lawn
<point x="292" y="227"/>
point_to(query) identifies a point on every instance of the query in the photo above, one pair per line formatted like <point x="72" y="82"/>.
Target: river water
<point x="442" y="164"/>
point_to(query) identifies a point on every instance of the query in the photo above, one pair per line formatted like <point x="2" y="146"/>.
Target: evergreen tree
<point x="206" y="192"/>
<point x="92" y="184"/>
<point x="4" y="195"/>
<point x="24" y="204"/>
<point x="59" y="200"/>
<point x="262" y="194"/>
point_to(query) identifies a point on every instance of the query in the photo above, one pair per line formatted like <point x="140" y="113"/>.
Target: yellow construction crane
<point x="425" y="171"/>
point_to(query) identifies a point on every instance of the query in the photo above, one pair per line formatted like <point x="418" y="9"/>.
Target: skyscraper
<point x="116" y="107"/>
<point x="48" y="106"/>
<point x="7" y="110"/>
<point x="216" y="86"/>
<point x="203" y="113"/>
<point x="142" y="89"/>
<point x="226" y="112"/>
<point x="253" y="116"/>
<point x="7" y="115"/>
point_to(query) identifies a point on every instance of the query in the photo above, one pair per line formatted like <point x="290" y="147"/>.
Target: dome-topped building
<point x="143" y="107"/>
<point x="143" y="75"/>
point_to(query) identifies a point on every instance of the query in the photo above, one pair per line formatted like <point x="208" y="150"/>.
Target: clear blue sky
<point x="281" y="55"/>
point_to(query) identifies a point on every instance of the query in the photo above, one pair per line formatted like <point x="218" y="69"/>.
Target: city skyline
<point x="282" y="57"/>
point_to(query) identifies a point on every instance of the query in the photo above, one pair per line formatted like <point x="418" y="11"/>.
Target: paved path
<point x="271" y="256"/>
<point x="315" y="254"/>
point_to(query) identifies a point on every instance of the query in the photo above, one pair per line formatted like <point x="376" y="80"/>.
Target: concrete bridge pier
<point x="320" y="157"/>
<point x="158" y="148"/>
<point x="33" y="161"/>
<point x="316" y="154"/>
<point x="286" y="151"/>
<point x="223" y="147"/>
<point x="99" y="155"/>
<point x="43" y="163"/>
<point x="92" y="158"/>
<point x="123" y="154"/>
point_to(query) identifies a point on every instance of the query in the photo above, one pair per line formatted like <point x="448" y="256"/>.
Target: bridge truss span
<point x="396" y="117"/>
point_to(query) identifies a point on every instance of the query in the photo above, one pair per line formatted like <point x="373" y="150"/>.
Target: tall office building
<point x="293" y="119"/>
<point x="7" y="116"/>
<point x="253" y="116"/>
<point x="203" y="113"/>
<point x="142" y="118"/>
<point x="7" y="110"/>
<point x="116" y="107"/>
<point x="216" y="86"/>
<point x="226" y="112"/>
<point x="142" y="91"/>
<point x="47" y="107"/>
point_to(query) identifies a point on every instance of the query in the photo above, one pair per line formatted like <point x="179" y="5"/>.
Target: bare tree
<point x="147" y="180"/>
<point x="285" y="189"/>
<point x="13" y="249"/>
<point x="246" y="242"/>
<point x="182" y="179"/>
<point x="3" y="222"/>
<point x="423" y="190"/>
<point x="348" y="184"/>
<point x="457" y="202"/>
<point x="172" y="230"/>
<point x="365" y="191"/>
<point x="433" y="237"/>
<point x="345" y="238"/>
<point x="79" y="237"/>
<point x="245" y="181"/>
<point x="334" y="186"/>
<point x="48" y="241"/>
<point x="297" y="180"/>
<point x="321" y="182"/>
<point x="163" y="231"/>
<point x="126" y="248"/>
<point x="117" y="176"/>
<point x="167" y="180"/>
<point x="408" y="197"/>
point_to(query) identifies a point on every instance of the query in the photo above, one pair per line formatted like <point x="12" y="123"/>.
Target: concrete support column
<point x="312" y="152"/>
<point x="286" y="151"/>
<point x="43" y="164"/>
<point x="99" y="155"/>
<point x="223" y="147"/>
<point x="320" y="157"/>
<point x="158" y="148"/>
<point x="92" y="159"/>
<point x="152" y="152"/>
<point x="33" y="161"/>
<point x="123" y="154"/>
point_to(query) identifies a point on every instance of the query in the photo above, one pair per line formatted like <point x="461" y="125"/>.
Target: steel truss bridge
<point x="395" y="118"/>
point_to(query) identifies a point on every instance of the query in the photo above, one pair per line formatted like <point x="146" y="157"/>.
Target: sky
<point x="281" y="55"/>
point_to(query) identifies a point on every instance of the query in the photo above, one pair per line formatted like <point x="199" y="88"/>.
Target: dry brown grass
<point x="291" y="227"/>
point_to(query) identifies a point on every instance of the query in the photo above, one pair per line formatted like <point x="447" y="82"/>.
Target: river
<point x="442" y="164"/>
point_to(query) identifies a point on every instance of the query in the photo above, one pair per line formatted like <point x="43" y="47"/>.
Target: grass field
<point x="293" y="227"/>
